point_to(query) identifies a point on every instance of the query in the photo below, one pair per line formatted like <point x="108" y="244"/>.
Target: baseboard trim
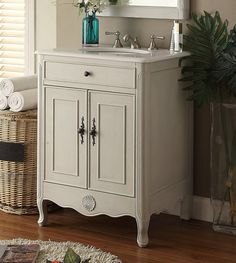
<point x="202" y="209"/>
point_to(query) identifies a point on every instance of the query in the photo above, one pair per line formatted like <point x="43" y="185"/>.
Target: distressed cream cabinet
<point x="115" y="136"/>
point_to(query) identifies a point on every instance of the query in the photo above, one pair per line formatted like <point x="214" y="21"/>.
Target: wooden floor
<point x="171" y="240"/>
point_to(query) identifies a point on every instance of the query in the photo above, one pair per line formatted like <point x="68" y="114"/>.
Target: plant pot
<point x="90" y="30"/>
<point x="223" y="167"/>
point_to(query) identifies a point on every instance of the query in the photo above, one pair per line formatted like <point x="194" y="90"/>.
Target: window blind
<point x="12" y="38"/>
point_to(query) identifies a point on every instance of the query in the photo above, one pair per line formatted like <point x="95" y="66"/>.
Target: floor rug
<point x="56" y="250"/>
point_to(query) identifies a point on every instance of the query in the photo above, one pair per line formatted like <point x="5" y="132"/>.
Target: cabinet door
<point x="65" y="153"/>
<point x="111" y="158"/>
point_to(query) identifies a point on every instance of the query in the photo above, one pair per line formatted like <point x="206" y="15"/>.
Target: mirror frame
<point x="182" y="11"/>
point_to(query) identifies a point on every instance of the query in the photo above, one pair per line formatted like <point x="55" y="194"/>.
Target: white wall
<point x="46" y="24"/>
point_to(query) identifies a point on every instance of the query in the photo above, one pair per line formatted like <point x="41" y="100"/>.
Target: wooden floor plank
<point x="171" y="240"/>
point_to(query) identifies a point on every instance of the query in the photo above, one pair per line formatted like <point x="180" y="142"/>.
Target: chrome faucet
<point x="134" y="42"/>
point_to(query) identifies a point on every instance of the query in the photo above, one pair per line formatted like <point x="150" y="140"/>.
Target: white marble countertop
<point x="121" y="54"/>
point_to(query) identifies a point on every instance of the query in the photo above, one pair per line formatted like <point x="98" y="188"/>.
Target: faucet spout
<point x="134" y="44"/>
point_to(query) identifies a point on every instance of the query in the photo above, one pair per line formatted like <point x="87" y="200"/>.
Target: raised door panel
<point x="65" y="153"/>
<point x="111" y="158"/>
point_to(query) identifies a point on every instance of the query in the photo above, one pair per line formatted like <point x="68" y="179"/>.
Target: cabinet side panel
<point x="169" y="131"/>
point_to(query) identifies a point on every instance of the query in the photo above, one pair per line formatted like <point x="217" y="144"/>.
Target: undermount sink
<point x="115" y="51"/>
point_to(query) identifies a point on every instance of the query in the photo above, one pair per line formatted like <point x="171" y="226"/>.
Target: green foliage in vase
<point x="90" y="6"/>
<point x="225" y="72"/>
<point x="94" y="6"/>
<point x="207" y="40"/>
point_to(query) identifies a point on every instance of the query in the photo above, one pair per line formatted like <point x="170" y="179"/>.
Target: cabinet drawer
<point x="98" y="75"/>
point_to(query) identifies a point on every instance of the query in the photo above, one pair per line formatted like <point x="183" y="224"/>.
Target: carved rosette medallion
<point x="89" y="203"/>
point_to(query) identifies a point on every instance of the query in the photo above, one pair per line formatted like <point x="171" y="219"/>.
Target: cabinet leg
<point x="142" y="227"/>
<point x="186" y="207"/>
<point x="43" y="213"/>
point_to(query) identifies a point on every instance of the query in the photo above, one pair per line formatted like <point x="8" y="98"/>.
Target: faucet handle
<point x="116" y="33"/>
<point x="117" y="43"/>
<point x="137" y="42"/>
<point x="153" y="44"/>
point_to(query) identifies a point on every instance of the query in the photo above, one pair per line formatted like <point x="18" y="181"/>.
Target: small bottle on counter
<point x="172" y="44"/>
<point x="176" y="42"/>
<point x="178" y="36"/>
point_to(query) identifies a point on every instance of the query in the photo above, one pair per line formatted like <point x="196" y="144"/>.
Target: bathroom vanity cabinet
<point x="115" y="135"/>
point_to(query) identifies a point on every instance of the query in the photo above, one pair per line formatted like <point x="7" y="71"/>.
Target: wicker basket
<point x="18" y="180"/>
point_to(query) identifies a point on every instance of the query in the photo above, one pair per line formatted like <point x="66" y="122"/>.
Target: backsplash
<point x="69" y="28"/>
<point x="142" y="28"/>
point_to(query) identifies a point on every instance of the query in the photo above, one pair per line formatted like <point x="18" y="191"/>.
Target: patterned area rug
<point x="56" y="250"/>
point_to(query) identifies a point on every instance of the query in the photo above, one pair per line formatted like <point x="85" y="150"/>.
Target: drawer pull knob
<point x="93" y="132"/>
<point x="87" y="73"/>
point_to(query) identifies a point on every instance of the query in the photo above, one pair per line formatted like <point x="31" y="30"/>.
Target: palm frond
<point x="225" y="68"/>
<point x="207" y="38"/>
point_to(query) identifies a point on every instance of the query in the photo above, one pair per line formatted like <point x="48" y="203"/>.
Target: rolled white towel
<point x="8" y="86"/>
<point x="24" y="100"/>
<point x="3" y="102"/>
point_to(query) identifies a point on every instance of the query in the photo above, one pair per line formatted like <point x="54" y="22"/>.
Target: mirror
<point x="153" y="3"/>
<point x="159" y="9"/>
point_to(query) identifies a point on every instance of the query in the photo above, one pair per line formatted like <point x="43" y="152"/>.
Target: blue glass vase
<point x="90" y="34"/>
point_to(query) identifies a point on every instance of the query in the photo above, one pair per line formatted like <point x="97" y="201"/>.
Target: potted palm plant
<point x="210" y="72"/>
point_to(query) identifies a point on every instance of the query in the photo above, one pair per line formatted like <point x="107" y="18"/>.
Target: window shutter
<point x="12" y="38"/>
